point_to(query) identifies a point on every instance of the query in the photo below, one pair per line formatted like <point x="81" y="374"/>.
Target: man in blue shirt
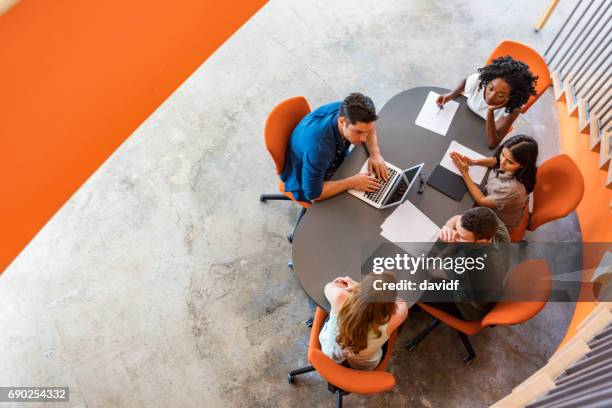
<point x="320" y="142"/>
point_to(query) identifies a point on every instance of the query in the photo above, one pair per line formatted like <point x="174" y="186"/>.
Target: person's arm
<point x="316" y="189"/>
<point x="447" y="233"/>
<point x="313" y="176"/>
<point x="486" y="162"/>
<point x="361" y="182"/>
<point x="337" y="291"/>
<point x="376" y="163"/>
<point x="480" y="199"/>
<point x="401" y="313"/>
<point x="496" y="130"/>
<point x="332" y="188"/>
<point x="442" y="99"/>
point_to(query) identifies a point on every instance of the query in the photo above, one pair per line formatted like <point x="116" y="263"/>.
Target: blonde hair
<point x="365" y="308"/>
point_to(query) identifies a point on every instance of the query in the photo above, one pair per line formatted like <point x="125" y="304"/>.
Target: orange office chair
<point x="279" y="125"/>
<point x="518" y="232"/>
<point x="530" y="277"/>
<point x="343" y="380"/>
<point x="537" y="65"/>
<point x="558" y="191"/>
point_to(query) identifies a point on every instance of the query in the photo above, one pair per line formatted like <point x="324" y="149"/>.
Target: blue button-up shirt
<point x="315" y="150"/>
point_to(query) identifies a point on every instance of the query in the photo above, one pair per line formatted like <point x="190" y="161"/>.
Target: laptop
<point x="394" y="190"/>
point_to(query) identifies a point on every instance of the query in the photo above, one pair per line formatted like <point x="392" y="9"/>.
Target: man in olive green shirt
<point x="487" y="237"/>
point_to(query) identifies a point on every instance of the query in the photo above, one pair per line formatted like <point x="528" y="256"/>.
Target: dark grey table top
<point x="335" y="234"/>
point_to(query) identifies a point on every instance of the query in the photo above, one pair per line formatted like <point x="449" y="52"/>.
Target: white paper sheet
<point x="435" y="119"/>
<point x="408" y="224"/>
<point x="476" y="172"/>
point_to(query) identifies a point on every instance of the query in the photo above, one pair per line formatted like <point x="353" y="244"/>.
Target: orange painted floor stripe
<point x="76" y="79"/>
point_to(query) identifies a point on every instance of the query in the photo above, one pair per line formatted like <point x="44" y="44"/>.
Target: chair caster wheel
<point x="290" y="238"/>
<point x="290" y="378"/>
<point x="468" y="360"/>
<point x="411" y="346"/>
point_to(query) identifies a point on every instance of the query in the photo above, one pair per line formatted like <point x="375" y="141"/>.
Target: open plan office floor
<point x="187" y="298"/>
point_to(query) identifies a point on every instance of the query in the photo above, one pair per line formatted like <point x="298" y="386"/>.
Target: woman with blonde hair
<point x="361" y="320"/>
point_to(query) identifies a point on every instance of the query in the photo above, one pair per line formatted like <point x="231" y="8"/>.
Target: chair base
<point x="299" y="218"/>
<point x="273" y="197"/>
<point x="281" y="197"/>
<point x="467" y="359"/>
<point x="292" y="374"/>
<point x="339" y="393"/>
<point x="432" y="325"/>
<point x="471" y="355"/>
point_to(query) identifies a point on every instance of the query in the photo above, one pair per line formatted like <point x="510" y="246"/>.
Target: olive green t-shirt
<point x="476" y="286"/>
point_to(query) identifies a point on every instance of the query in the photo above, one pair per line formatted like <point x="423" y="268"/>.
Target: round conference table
<point x="336" y="235"/>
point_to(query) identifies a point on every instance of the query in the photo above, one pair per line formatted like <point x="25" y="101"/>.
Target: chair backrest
<point x="558" y="190"/>
<point x="537" y="65"/>
<point x="280" y="124"/>
<point x="348" y="379"/>
<point x="526" y="292"/>
<point x="518" y="232"/>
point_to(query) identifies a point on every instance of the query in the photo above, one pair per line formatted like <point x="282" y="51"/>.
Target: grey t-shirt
<point x="509" y="196"/>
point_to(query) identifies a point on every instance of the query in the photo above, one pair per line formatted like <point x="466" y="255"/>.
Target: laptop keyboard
<point x="377" y="196"/>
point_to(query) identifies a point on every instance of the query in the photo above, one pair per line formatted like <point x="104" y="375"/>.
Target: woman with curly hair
<point x="504" y="83"/>
<point x="512" y="178"/>
<point x="362" y="317"/>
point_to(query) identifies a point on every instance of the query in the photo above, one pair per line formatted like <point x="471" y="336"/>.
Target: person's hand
<point x="350" y="282"/>
<point x="365" y="182"/>
<point x="442" y="99"/>
<point x="493" y="108"/>
<point x="376" y="165"/>
<point x="460" y="162"/>
<point x="340" y="281"/>
<point x="466" y="159"/>
<point x="447" y="234"/>
<point x="345" y="282"/>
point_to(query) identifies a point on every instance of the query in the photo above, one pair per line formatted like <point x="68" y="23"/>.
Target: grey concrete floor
<point x="163" y="280"/>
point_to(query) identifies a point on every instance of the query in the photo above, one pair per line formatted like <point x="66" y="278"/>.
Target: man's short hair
<point x="358" y="108"/>
<point x="480" y="221"/>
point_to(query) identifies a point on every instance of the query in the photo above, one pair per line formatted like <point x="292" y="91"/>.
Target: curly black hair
<point x="516" y="73"/>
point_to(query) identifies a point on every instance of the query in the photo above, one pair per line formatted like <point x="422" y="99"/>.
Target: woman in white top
<point x="504" y="83"/>
<point x="361" y="320"/>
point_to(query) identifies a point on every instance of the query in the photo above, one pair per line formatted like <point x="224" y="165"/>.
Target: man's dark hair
<point x="480" y="221"/>
<point x="516" y="73"/>
<point x="358" y="108"/>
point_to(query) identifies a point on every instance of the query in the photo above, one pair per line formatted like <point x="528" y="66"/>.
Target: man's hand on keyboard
<point x="376" y="165"/>
<point x="365" y="182"/>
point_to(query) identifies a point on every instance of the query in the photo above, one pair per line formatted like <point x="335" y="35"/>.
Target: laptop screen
<point x="400" y="188"/>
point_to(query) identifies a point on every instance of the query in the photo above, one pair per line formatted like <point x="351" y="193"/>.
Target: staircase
<point x="580" y="59"/>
